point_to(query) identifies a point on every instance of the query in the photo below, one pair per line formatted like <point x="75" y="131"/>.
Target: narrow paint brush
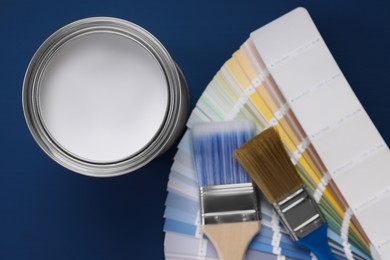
<point x="267" y="162"/>
<point x="228" y="200"/>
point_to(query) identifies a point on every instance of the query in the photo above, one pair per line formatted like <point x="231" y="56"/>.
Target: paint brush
<point x="267" y="162"/>
<point x="228" y="199"/>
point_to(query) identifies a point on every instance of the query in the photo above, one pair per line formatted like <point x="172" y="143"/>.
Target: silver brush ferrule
<point x="299" y="213"/>
<point x="229" y="203"/>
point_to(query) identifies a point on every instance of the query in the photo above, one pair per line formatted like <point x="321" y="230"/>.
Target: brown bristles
<point x="267" y="162"/>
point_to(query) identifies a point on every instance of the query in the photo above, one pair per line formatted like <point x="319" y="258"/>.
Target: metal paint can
<point x="103" y="97"/>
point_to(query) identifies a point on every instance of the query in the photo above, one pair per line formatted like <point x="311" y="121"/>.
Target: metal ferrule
<point x="229" y="203"/>
<point x="299" y="213"/>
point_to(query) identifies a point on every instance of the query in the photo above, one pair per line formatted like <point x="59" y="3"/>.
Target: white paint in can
<point x="103" y="97"/>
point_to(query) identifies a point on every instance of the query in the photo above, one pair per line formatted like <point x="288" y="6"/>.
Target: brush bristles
<point x="267" y="162"/>
<point x="213" y="145"/>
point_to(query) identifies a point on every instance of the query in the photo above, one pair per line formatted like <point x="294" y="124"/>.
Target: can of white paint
<point x="103" y="97"/>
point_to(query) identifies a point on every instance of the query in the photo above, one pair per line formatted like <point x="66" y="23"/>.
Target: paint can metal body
<point x="175" y="111"/>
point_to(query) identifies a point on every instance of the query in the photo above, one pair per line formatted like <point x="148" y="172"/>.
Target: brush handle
<point x="317" y="242"/>
<point x="231" y="240"/>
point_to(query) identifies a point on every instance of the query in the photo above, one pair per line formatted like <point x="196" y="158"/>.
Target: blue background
<point x="48" y="212"/>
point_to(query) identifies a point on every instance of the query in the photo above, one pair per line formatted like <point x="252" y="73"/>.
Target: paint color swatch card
<point x="337" y="125"/>
<point x="284" y="76"/>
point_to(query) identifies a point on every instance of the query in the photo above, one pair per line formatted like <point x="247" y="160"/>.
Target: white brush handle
<point x="231" y="240"/>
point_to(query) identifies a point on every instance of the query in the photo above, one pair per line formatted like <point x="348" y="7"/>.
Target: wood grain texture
<point x="231" y="240"/>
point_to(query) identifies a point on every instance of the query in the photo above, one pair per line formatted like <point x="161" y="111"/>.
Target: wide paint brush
<point x="229" y="201"/>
